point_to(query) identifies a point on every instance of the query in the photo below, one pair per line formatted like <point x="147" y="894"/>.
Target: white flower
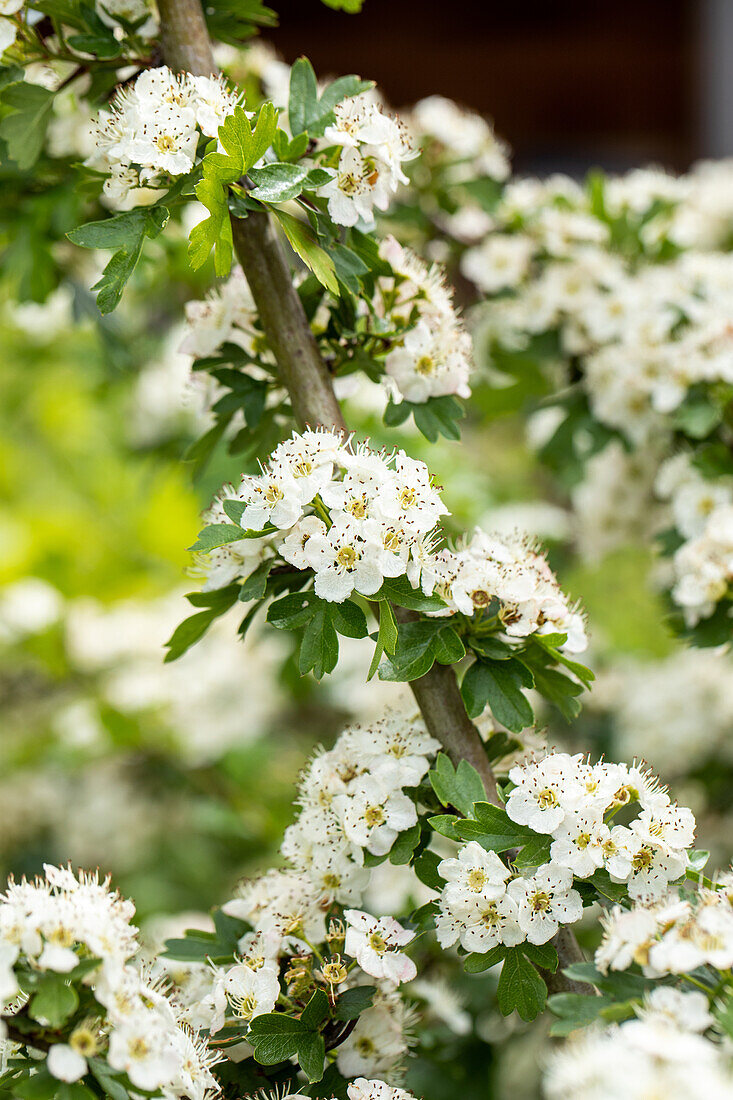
<point x="473" y="873"/>
<point x="272" y="497"/>
<point x="501" y="261"/>
<point x="375" y="811"/>
<point x="251" y="992"/>
<point x="545" y="901"/>
<point x="545" y="792"/>
<point x="65" y="1064"/>
<point x="344" y="560"/>
<point x="140" y="1045"/>
<point x="375" y="944"/>
<point x="687" y="1010"/>
<point x="579" y="842"/>
<point x="479" y="923"/>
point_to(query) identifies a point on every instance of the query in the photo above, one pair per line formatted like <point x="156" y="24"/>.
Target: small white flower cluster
<point x="151" y="134"/>
<point x="435" y="357"/>
<point x="702" y="512"/>
<point x="350" y="514"/>
<point x="55" y="923"/>
<point x="463" y="139"/>
<point x="508" y="569"/>
<point x="357" y="517"/>
<point x="664" y="1053"/>
<point x="481" y="909"/>
<point x="674" y="935"/>
<point x="570" y="799"/>
<point x="226" y="315"/>
<point x="373" y="147"/>
<point x="485" y="904"/>
<point x="352" y="801"/>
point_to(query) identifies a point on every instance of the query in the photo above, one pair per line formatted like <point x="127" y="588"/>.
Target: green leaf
<point x="543" y="954"/>
<point x="405" y="844"/>
<point x="436" y="416"/>
<point x="277" y="182"/>
<point x="126" y="233"/>
<point x="498" y="684"/>
<point x="445" y="825"/>
<point x="398" y="590"/>
<point x="520" y="987"/>
<point x="303" y="100"/>
<point x="319" y="648"/>
<point x="460" y="787"/>
<point x="293" y="611"/>
<point x="243" y="146"/>
<point x="475" y="963"/>
<point x="386" y="638"/>
<point x="535" y="852"/>
<point x="426" y="869"/>
<point x="697" y="416"/>
<point x="493" y="829"/>
<point x="352" y="1002"/>
<point x="559" y="690"/>
<point x="575" y="1010"/>
<point x="24" y="128"/>
<point x="53" y="1002"/>
<point x="256" y="583"/>
<point x="217" y="534"/>
<point x="213" y="232"/>
<point x="349" y="619"/>
<point x="41" y="1086"/>
<point x="419" y="644"/>
<point x="275" y="1037"/>
<point x="312" y="1055"/>
<point x="316" y="1010"/>
<point x="303" y="241"/>
<point x="190" y="630"/>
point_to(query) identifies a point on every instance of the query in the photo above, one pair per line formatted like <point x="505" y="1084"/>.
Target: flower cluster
<point x="226" y="315"/>
<point x="510" y="571"/>
<point x="574" y="802"/>
<point x="356" y="517"/>
<point x="372" y="147"/>
<point x="664" y="1053"/>
<point x="60" y="922"/>
<point x="351" y="515"/>
<point x="485" y="903"/>
<point x="151" y="134"/>
<point x="435" y="356"/>
<point x="672" y="935"/>
<point x="352" y="801"/>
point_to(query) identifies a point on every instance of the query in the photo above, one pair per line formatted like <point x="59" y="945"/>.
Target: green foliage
<point x="276" y="1037"/>
<point x="126" y="234"/>
<point x="218" y="946"/>
<point x="419" y="645"/>
<point x="435" y="417"/>
<point x="304" y="242"/>
<point x="234" y="21"/>
<point x="460" y="787"/>
<point x="520" y="986"/>
<point x="243" y="146"/>
<point x="282" y="182"/>
<point x="309" y="113"/>
<point x="24" y="126"/>
<point x="319" y="624"/>
<point x="191" y="629"/>
<point x="53" y="1002"/>
<point x="499" y="685"/>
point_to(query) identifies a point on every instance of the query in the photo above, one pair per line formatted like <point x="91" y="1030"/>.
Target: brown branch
<point x="186" y="46"/>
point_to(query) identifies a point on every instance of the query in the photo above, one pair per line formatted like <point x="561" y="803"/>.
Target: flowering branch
<point x="186" y="46"/>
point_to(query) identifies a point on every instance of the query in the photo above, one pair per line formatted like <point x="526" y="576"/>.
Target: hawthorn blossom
<point x="375" y="944"/>
<point x="545" y="901"/>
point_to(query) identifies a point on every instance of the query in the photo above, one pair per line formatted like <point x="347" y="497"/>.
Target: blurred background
<point x="179" y="778"/>
<point x="571" y="85"/>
